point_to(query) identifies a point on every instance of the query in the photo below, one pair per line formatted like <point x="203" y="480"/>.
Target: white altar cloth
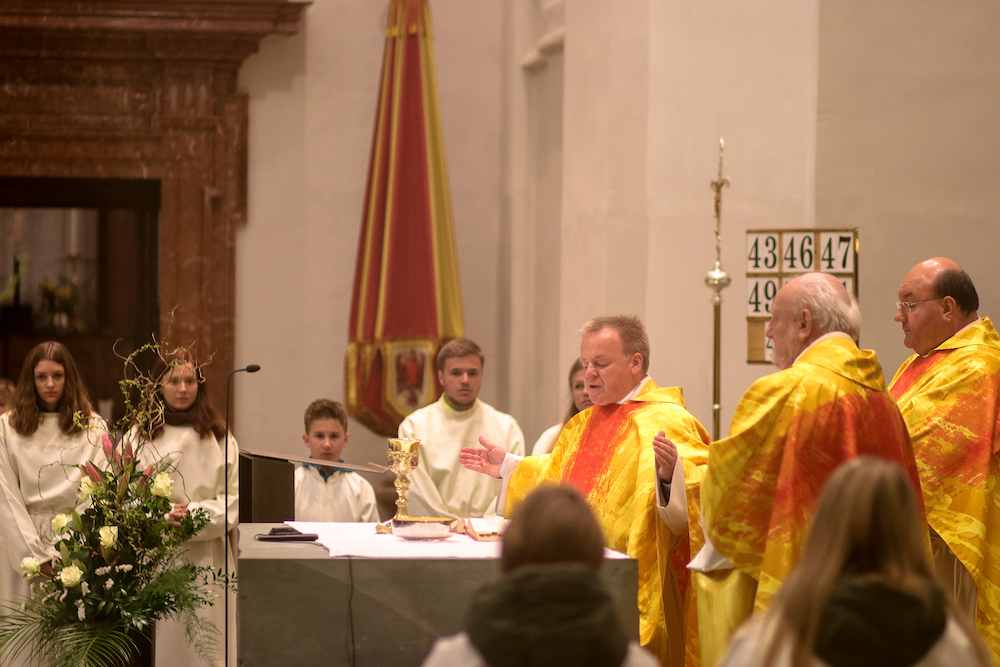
<point x="360" y="540"/>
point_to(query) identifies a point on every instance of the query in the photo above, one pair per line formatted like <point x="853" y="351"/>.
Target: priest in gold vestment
<point x="826" y="404"/>
<point x="645" y="502"/>
<point x="949" y="394"/>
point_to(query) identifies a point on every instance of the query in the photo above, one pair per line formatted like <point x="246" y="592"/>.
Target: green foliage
<point x="120" y="566"/>
<point x="11" y="287"/>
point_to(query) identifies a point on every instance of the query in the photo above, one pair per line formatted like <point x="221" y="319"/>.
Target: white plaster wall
<point x="745" y="72"/>
<point x="604" y="216"/>
<point x="538" y="390"/>
<point x="649" y="87"/>
<point x="312" y="104"/>
<point x="908" y="146"/>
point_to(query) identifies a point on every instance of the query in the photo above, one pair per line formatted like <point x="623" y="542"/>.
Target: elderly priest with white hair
<point x="826" y="404"/>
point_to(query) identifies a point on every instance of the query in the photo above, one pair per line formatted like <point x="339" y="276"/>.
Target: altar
<point x="371" y="600"/>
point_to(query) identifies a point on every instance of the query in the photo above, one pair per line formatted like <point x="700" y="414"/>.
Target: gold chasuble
<point x="606" y="452"/>
<point x="951" y="402"/>
<point x="790" y="431"/>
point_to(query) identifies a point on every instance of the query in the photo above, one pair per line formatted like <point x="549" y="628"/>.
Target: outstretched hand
<point x="666" y="456"/>
<point x="486" y="459"/>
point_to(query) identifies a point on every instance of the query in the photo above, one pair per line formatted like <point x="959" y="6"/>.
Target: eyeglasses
<point x="910" y="306"/>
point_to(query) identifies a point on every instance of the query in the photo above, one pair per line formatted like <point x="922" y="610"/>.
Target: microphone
<point x="249" y="368"/>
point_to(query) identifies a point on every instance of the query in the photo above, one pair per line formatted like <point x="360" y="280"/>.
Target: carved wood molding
<point x="146" y="89"/>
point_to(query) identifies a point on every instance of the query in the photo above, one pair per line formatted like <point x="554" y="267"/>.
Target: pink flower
<point x="91" y="472"/>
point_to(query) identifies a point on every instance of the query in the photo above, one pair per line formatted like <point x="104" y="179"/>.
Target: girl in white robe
<point x="581" y="401"/>
<point x="41" y="450"/>
<point x="193" y="437"/>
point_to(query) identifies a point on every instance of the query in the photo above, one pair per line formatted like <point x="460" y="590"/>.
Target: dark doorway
<point x="94" y="282"/>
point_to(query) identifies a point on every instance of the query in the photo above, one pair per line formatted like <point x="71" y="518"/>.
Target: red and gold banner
<point x="407" y="298"/>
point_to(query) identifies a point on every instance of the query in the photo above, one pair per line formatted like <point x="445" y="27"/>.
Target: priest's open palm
<point x="486" y="459"/>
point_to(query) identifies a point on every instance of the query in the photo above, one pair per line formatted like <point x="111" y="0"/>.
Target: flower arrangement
<point x="120" y="565"/>
<point x="60" y="301"/>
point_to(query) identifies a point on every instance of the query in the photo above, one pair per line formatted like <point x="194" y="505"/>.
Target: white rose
<point x="163" y="486"/>
<point x="109" y="536"/>
<point x="31" y="566"/>
<point x="60" y="522"/>
<point x="87" y="487"/>
<point x="70" y="576"/>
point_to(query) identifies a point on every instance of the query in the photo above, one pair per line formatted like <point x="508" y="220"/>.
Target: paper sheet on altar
<point x="359" y="540"/>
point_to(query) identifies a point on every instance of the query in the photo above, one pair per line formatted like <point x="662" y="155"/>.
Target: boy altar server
<point x="328" y="493"/>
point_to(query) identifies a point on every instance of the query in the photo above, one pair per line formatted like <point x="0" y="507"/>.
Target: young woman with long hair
<point x="191" y="433"/>
<point x="579" y="401"/>
<point x="864" y="592"/>
<point x="41" y="449"/>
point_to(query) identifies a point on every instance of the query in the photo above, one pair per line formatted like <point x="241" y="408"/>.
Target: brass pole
<point x="717" y="280"/>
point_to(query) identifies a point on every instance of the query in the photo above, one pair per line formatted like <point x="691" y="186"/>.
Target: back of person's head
<point x="630" y="330"/>
<point x="867" y="522"/>
<point x="867" y="527"/>
<point x="26" y="410"/>
<point x="456" y="348"/>
<point x="832" y="308"/>
<point x="554" y="524"/>
<point x="202" y="415"/>
<point x="324" y="408"/>
<point x="958" y="285"/>
<point x="551" y="606"/>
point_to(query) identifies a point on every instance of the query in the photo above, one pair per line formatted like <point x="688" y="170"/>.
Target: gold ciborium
<point x="403" y="456"/>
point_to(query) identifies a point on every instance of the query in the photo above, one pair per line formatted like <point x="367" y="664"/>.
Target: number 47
<point x="843" y="249"/>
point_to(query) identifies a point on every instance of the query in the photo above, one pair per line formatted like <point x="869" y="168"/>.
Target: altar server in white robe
<point x="193" y="436"/>
<point x="40" y="451"/>
<point x="328" y="493"/>
<point x="440" y="485"/>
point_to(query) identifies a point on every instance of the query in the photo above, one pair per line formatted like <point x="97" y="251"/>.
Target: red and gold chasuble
<point x="950" y="400"/>
<point x="790" y="431"/>
<point x="606" y="452"/>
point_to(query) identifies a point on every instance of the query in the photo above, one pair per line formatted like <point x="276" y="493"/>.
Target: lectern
<point x="267" y="488"/>
<point x="267" y="484"/>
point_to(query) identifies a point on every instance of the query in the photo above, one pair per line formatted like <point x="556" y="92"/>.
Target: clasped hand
<point x="179" y="512"/>
<point x="666" y="456"/>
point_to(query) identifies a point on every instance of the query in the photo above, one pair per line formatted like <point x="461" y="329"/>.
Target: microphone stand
<point x="251" y="368"/>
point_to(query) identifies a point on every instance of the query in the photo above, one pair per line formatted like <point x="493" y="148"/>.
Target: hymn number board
<point x="777" y="255"/>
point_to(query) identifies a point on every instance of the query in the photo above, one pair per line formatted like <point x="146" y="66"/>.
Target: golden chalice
<point x="403" y="457"/>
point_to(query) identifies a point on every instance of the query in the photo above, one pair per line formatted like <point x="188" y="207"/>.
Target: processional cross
<point x="717" y="280"/>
